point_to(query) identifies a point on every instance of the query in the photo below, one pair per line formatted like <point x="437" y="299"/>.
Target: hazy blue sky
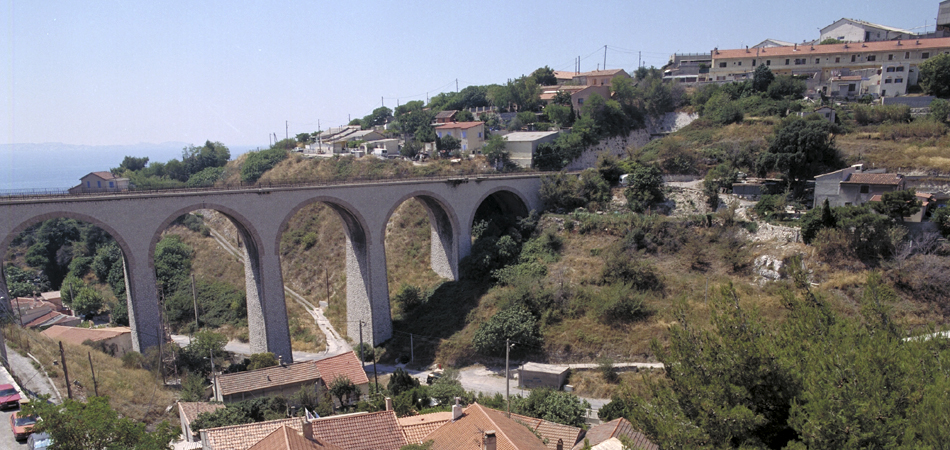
<point x="123" y="72"/>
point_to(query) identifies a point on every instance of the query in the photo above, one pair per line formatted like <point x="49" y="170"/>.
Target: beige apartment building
<point x="882" y="68"/>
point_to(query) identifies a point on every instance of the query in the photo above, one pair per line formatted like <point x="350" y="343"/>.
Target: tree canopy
<point x="800" y="149"/>
<point x="935" y="76"/>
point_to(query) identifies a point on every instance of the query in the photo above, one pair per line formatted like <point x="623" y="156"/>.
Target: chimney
<point x="488" y="441"/>
<point x="280" y="360"/>
<point x="796" y="47"/>
<point x="899" y="42"/>
<point x="456" y="410"/>
<point x="389" y="404"/>
<point x="747" y="49"/>
<point x="308" y="429"/>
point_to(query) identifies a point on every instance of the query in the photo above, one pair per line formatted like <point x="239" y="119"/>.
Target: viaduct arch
<point x="136" y="220"/>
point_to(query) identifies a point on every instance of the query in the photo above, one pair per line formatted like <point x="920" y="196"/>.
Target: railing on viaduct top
<point x="26" y="195"/>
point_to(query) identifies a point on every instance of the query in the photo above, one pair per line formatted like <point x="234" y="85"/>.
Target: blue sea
<point x="60" y="166"/>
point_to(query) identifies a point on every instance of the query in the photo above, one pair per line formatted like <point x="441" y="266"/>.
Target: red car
<point x="22" y="426"/>
<point x="9" y="397"/>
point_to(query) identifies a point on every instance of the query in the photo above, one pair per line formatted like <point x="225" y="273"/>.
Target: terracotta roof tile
<point x="346" y="364"/>
<point x="77" y="336"/>
<point x="551" y="432"/>
<point x="417" y="427"/>
<point x="447" y="114"/>
<point x="268" y="377"/>
<point x="461" y="125"/>
<point x="285" y="438"/>
<point x="873" y="178"/>
<point x="838" y="49"/>
<point x="616" y="428"/>
<point x="467" y="432"/>
<point x="243" y="437"/>
<point x="373" y="431"/>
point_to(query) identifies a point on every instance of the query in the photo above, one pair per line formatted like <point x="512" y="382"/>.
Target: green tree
<point x="343" y="389"/>
<point x="898" y="204"/>
<point x="464" y="116"/>
<point x="172" y="263"/>
<point x="555" y="406"/>
<point x="762" y="77"/>
<point x="94" y="425"/>
<point x="935" y="76"/>
<point x="401" y="381"/>
<point x="408" y="297"/>
<point x="515" y="323"/>
<point x="88" y="302"/>
<point x="379" y="116"/>
<point x="448" y="146"/>
<point x="196" y="159"/>
<point x="559" y="114"/>
<point x="644" y="187"/>
<point x="193" y="387"/>
<point x="941" y="217"/>
<point x="71" y="287"/>
<point x="131" y="163"/>
<point x="495" y="151"/>
<point x="721" y="109"/>
<point x="800" y="149"/>
<point x="445" y="389"/>
<point x="940" y="110"/>
<point x="544" y="76"/>
<point x="259" y="162"/>
<point x="262" y="360"/>
<point x="786" y="86"/>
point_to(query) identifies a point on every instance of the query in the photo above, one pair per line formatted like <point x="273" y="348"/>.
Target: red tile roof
<point x="77" y="336"/>
<point x="373" y="431"/>
<point x="417" y="427"/>
<point x="616" y="428"/>
<point x="346" y="364"/>
<point x="104" y="175"/>
<point x="285" y="438"/>
<point x="243" y="437"/>
<point x="551" y="431"/>
<point x="460" y="125"/>
<point x="838" y="49"/>
<point x="873" y="178"/>
<point x="468" y="431"/>
<point x="269" y="377"/>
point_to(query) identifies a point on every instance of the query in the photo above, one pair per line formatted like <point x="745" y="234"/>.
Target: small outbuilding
<point x="533" y="375"/>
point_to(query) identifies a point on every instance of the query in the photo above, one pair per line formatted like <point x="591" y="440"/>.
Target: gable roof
<point x="280" y="375"/>
<point x="873" y="178"/>
<point x="190" y="410"/>
<point x="616" y="428"/>
<point x="836" y="49"/>
<point x="372" y="431"/>
<point x="417" y="427"/>
<point x="243" y="437"/>
<point x="346" y="364"/>
<point x="285" y="438"/>
<point x="447" y="114"/>
<point x="76" y="336"/>
<point x="467" y="432"/>
<point x="870" y="25"/>
<point x="551" y="431"/>
<point x="601" y="73"/>
<point x="460" y="125"/>
<point x="104" y="175"/>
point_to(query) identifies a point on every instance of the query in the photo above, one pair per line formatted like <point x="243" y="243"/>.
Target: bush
<point x="867" y="114"/>
<point x="619" y="303"/>
<point x="366" y="350"/>
<point x="607" y="370"/>
<point x="515" y="323"/>
<point x="622" y="267"/>
<point x="257" y="163"/>
<point x="409" y="297"/>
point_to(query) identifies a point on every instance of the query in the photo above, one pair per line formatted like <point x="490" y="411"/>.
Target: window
<point x="479" y="134"/>
<point x="890" y="69"/>
<point x="740" y="63"/>
<point x="890" y="57"/>
<point x="854" y="58"/>
<point x="925" y="55"/>
<point x="865" y="189"/>
<point x="800" y="61"/>
<point x="98" y="184"/>
<point x="768" y="62"/>
<point x="440" y="135"/>
<point x="837" y="59"/>
<point x="88" y="184"/>
<point x="753" y="63"/>
<point x="851" y="87"/>
<point x="900" y="68"/>
<point x="888" y="81"/>
<point x="786" y="62"/>
<point x="464" y="147"/>
<point x="872" y="57"/>
<point x="464" y="134"/>
<point x="898" y="80"/>
<point x="580" y="101"/>
<point x="722" y="64"/>
<point x="817" y="60"/>
<point x="906" y="55"/>
<point x="111" y="184"/>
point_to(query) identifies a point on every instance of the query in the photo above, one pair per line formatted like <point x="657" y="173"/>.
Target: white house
<point x="851" y="30"/>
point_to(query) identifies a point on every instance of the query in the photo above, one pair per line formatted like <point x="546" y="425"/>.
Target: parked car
<point x="9" y="396"/>
<point x="39" y="441"/>
<point x="22" y="426"/>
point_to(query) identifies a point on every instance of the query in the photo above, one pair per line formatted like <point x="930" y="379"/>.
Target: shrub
<point x="257" y="163"/>
<point x="409" y="297"/>
<point x="622" y="267"/>
<point x="867" y="114"/>
<point x="515" y="323"/>
<point x="607" y="370"/>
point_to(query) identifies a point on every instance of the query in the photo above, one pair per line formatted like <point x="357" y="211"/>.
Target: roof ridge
<point x="290" y="419"/>
<point x="498" y="428"/>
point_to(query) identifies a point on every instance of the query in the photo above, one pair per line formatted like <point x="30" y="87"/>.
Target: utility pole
<point x="214" y="379"/>
<point x="326" y="272"/>
<point x="287" y="123"/>
<point x="62" y="357"/>
<point x="605" y="57"/>
<point x="194" y="296"/>
<point x="92" y="369"/>
<point x="412" y="348"/>
<point x="639" y="56"/>
<point x="456" y="85"/>
<point x="161" y="354"/>
<point x="507" y="379"/>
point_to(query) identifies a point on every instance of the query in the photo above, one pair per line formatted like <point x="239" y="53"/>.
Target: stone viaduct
<point x="261" y="214"/>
